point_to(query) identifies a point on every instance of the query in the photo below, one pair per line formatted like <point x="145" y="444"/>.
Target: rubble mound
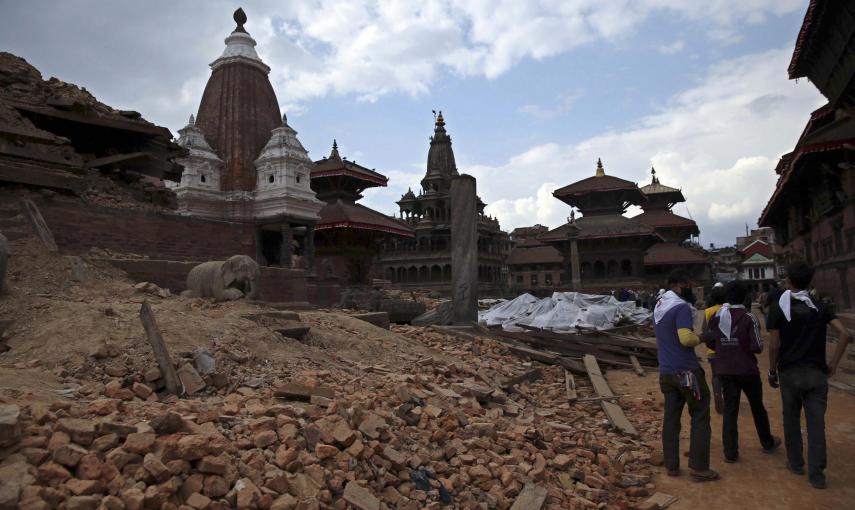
<point x="352" y="416"/>
<point x="57" y="135"/>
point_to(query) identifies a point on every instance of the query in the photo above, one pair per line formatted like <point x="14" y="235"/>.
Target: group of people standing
<point x="797" y="325"/>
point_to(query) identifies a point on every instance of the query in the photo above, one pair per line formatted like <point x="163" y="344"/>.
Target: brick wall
<point x="279" y="285"/>
<point x="78" y="227"/>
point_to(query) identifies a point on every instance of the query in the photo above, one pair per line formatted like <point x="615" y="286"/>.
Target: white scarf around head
<point x="801" y="295"/>
<point x="725" y="321"/>
<point x="668" y="301"/>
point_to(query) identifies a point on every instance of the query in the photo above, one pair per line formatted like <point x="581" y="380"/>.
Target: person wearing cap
<point x="798" y="325"/>
<point x="735" y="337"/>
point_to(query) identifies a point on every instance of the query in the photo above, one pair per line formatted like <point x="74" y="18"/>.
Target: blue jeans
<point x="805" y="387"/>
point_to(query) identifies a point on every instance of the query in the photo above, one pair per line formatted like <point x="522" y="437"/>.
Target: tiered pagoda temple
<point x="425" y="261"/>
<point x="348" y="235"/>
<point x="245" y="162"/>
<point x="674" y="250"/>
<point x="608" y="246"/>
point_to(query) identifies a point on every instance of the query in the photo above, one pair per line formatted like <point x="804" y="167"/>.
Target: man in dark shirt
<point x="734" y="335"/>
<point x="682" y="380"/>
<point x="798" y="327"/>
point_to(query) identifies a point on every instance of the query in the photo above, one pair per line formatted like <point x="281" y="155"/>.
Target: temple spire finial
<point x="334" y="152"/>
<point x="240" y="18"/>
<point x="439" y="120"/>
<point x="284" y="119"/>
<point x="192" y="121"/>
<point x="600" y="170"/>
<point x="653" y="173"/>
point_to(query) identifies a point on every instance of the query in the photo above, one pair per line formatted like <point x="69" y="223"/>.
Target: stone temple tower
<point x="245" y="163"/>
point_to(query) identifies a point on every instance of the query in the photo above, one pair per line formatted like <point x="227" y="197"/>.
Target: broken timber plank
<point x="658" y="501"/>
<point x="161" y="354"/>
<point x="531" y="375"/>
<point x="34" y="216"/>
<point x="601" y="386"/>
<point x="570" y="386"/>
<point x="532" y="497"/>
<point x="636" y="365"/>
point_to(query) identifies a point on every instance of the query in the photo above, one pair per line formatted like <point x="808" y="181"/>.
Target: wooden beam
<point x="532" y="497"/>
<point x="637" y="366"/>
<point x="601" y="386"/>
<point x="34" y="216"/>
<point x="570" y="386"/>
<point x="161" y="354"/>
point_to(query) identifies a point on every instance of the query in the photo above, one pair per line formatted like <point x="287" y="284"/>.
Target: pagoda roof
<point x="534" y="252"/>
<point x="657" y="187"/>
<point x="334" y="166"/>
<point x="344" y="214"/>
<point x="626" y="192"/>
<point x="661" y="218"/>
<point x="601" y="226"/>
<point x="664" y="254"/>
<point x="595" y="184"/>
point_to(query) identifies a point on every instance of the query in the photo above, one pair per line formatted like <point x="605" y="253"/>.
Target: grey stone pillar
<point x="576" y="284"/>
<point x="310" y="248"/>
<point x="285" y="249"/>
<point x="464" y="250"/>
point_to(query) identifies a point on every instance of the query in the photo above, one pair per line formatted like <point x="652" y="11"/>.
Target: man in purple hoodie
<point x="734" y="334"/>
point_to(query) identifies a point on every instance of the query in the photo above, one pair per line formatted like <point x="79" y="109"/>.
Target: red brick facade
<point x="78" y="227"/>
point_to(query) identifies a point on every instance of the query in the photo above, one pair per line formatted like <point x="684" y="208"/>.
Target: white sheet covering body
<point x="563" y="311"/>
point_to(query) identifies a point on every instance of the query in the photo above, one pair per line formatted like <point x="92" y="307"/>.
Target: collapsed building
<point x="811" y="208"/>
<point x="425" y="261"/>
<point x="603" y="250"/>
<point x="245" y="188"/>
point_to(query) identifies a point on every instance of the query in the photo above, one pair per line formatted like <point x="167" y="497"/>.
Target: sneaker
<point x="708" y="475"/>
<point x="796" y="470"/>
<point x="818" y="483"/>
<point x="776" y="442"/>
<point x="731" y="460"/>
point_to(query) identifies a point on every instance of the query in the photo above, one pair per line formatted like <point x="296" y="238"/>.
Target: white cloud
<point x="317" y="48"/>
<point x="562" y="106"/>
<point x="671" y="49"/>
<point x="372" y="48"/>
<point x="719" y="141"/>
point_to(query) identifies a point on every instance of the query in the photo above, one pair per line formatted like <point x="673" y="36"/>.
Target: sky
<point x="532" y="92"/>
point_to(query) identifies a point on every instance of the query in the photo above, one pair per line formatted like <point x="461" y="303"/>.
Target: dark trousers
<point x="805" y="387"/>
<point x="699" y="410"/>
<point x="732" y="388"/>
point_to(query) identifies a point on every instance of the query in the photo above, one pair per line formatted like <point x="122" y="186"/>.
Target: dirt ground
<point x="758" y="480"/>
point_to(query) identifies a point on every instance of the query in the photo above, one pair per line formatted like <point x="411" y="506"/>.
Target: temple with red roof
<point x="604" y="250"/>
<point x="811" y="209"/>
<point x="676" y="248"/>
<point x="348" y="234"/>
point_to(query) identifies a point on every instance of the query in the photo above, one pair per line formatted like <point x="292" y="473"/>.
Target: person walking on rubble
<point x="682" y="380"/>
<point x="734" y="335"/>
<point x="798" y="326"/>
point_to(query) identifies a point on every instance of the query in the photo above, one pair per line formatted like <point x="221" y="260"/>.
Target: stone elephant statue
<point x="225" y="280"/>
<point x="4" y="258"/>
